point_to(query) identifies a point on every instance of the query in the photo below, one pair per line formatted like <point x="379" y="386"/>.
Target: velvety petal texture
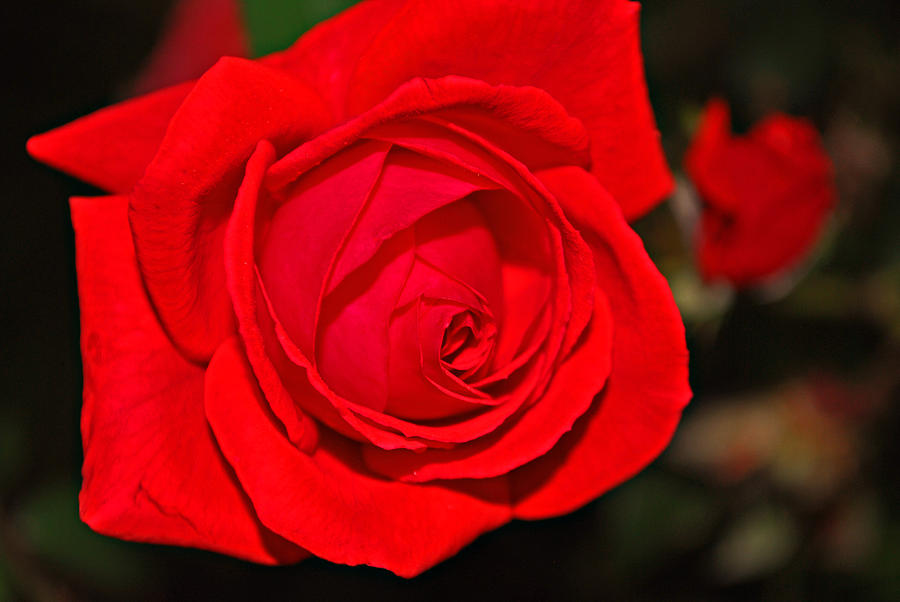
<point x="112" y="147"/>
<point x="375" y="295"/>
<point x="329" y="501"/>
<point x="152" y="471"/>
<point x="586" y="54"/>
<point x="766" y="195"/>
<point x="634" y="417"/>
<point x="179" y="207"/>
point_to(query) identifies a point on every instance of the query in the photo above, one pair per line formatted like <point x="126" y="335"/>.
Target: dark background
<point x="782" y="482"/>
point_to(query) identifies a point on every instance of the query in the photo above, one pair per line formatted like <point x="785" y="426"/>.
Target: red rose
<point x="766" y="194"/>
<point x="374" y="296"/>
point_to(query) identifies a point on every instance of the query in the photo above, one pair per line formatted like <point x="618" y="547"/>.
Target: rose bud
<point x="766" y="195"/>
<point x="375" y="295"/>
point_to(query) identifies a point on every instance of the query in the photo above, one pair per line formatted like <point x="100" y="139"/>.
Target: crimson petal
<point x="634" y="418"/>
<point x="179" y="207"/>
<point x="533" y="433"/>
<point x="327" y="501"/>
<point x="152" y="471"/>
<point x="112" y="147"/>
<point x="586" y="54"/>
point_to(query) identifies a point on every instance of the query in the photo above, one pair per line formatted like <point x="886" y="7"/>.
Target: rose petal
<point x="460" y="430"/>
<point x="326" y="55"/>
<point x="152" y="471"/>
<point x="428" y="280"/>
<point x="586" y="54"/>
<point x="574" y="273"/>
<point x="575" y="268"/>
<point x="413" y="392"/>
<point x="238" y="251"/>
<point x="292" y="370"/>
<point x="526" y="270"/>
<point x="633" y="420"/>
<point x="306" y="234"/>
<point x="411" y="187"/>
<point x="531" y="434"/>
<point x="353" y="337"/>
<point x="528" y="109"/>
<point x="358" y="421"/>
<point x="179" y="207"/>
<point x="284" y="373"/>
<point x="112" y="147"/>
<point x="438" y="141"/>
<point x="458" y="241"/>
<point x="328" y="502"/>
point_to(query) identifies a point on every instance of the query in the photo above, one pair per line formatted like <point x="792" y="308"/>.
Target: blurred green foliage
<point x="274" y="24"/>
<point x="49" y="525"/>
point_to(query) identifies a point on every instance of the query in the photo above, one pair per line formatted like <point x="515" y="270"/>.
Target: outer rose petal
<point x="635" y="416"/>
<point x="179" y="208"/>
<point x="327" y="54"/>
<point x="112" y="147"/>
<point x="327" y="501"/>
<point x="585" y="53"/>
<point x="152" y="471"/>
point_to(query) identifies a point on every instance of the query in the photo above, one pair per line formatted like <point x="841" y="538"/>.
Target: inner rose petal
<point x="260" y="325"/>
<point x="523" y="242"/>
<point x="418" y="388"/>
<point x="428" y="390"/>
<point x="480" y="321"/>
<point x="352" y="347"/>
<point x="467" y="343"/>
<point x="411" y="187"/>
<point x="453" y="248"/>
<point x="455" y="144"/>
<point x="457" y="240"/>
<point x="434" y="317"/>
<point x="306" y="232"/>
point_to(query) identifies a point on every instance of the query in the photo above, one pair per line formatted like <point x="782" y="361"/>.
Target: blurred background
<point x="783" y="481"/>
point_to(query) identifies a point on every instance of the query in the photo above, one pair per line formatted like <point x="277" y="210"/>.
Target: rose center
<point x="468" y="343"/>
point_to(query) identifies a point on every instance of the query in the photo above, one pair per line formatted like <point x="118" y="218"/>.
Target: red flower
<point x="365" y="298"/>
<point x="766" y="194"/>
